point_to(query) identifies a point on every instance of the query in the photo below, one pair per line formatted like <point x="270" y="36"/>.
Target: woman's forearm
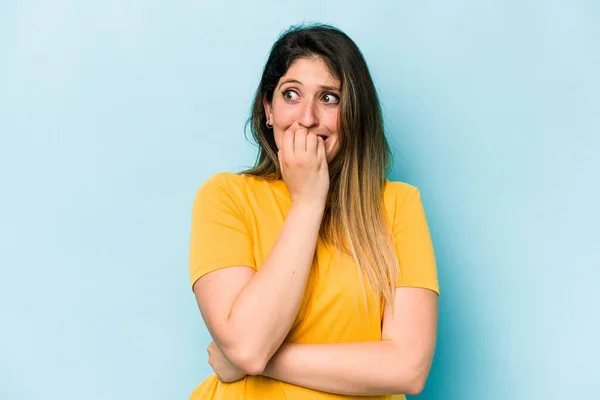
<point x="263" y="312"/>
<point x="362" y="369"/>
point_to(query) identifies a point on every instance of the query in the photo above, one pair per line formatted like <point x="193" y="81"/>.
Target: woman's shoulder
<point x="238" y="190"/>
<point x="401" y="198"/>
<point x="398" y="190"/>
<point x="235" y="185"/>
<point x="216" y="185"/>
<point x="226" y="180"/>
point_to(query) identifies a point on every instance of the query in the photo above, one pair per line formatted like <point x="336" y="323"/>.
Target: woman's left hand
<point x="225" y="370"/>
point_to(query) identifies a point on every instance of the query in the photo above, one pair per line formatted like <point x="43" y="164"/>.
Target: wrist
<point x="309" y="205"/>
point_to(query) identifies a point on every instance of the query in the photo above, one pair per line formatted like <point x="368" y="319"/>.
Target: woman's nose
<point x="309" y="115"/>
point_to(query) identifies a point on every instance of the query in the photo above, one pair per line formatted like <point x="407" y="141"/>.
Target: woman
<point x="315" y="275"/>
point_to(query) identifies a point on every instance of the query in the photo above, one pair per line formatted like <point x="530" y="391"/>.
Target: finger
<point x="288" y="143"/>
<point x="300" y="140"/>
<point x="289" y="131"/>
<point x="312" y="144"/>
<point x="321" y="150"/>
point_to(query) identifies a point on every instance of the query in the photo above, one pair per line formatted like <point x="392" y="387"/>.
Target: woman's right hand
<point x="304" y="166"/>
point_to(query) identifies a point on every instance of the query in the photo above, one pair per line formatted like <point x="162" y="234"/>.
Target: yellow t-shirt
<point x="236" y="220"/>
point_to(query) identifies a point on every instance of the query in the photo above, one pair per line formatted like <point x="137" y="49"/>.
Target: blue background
<point x="113" y="113"/>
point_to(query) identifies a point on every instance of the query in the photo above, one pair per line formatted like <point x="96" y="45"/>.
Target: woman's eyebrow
<point x="300" y="83"/>
<point x="290" y="81"/>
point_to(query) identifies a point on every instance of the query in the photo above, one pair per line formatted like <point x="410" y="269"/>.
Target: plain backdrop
<point x="113" y="113"/>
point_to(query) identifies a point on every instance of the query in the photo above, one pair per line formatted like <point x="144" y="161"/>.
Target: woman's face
<point x="308" y="96"/>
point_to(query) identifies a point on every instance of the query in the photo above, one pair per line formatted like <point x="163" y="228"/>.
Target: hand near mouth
<point x="303" y="163"/>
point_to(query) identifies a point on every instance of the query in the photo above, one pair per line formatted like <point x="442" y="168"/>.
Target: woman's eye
<point x="331" y="98"/>
<point x="289" y="95"/>
<point x="328" y="98"/>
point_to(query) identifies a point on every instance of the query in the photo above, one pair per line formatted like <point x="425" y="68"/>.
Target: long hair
<point x="354" y="220"/>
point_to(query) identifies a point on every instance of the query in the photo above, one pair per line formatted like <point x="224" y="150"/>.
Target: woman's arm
<point x="249" y="313"/>
<point x="399" y="363"/>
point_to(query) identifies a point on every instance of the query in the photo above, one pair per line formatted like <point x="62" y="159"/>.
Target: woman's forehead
<point x="310" y="71"/>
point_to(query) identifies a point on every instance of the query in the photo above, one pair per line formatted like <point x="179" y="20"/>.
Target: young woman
<point x="315" y="275"/>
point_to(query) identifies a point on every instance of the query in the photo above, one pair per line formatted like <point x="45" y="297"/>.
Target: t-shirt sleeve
<point x="413" y="243"/>
<point x="219" y="234"/>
